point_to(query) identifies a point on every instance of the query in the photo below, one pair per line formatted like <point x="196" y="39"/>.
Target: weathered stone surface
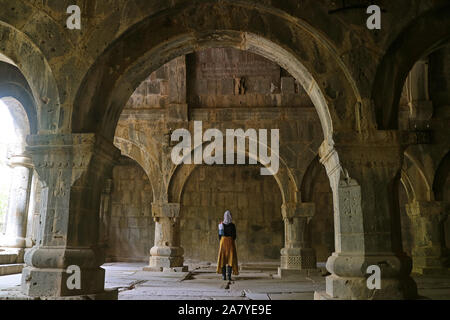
<point x="311" y="69"/>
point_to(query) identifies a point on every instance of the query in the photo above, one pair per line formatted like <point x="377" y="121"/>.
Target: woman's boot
<point x="224" y="275"/>
<point x="229" y="269"/>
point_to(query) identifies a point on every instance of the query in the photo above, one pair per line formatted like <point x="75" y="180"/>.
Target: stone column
<point x="297" y="257"/>
<point x="72" y="168"/>
<point x="34" y="212"/>
<point x="19" y="198"/>
<point x="362" y="172"/>
<point x="166" y="255"/>
<point x="428" y="253"/>
<point x="105" y="213"/>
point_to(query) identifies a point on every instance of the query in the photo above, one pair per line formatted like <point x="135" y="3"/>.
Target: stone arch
<point x="424" y="35"/>
<point x="36" y="70"/>
<point x="307" y="186"/>
<point x="161" y="38"/>
<point x="411" y="188"/>
<point x="407" y="186"/>
<point x="181" y="173"/>
<point x="134" y="151"/>
<point x="14" y="85"/>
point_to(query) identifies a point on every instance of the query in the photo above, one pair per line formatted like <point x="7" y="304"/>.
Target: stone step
<point x="7" y="258"/>
<point x="7" y="269"/>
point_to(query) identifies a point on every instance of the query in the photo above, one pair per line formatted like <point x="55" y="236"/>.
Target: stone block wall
<point x="153" y="92"/>
<point x="132" y="227"/>
<point x="225" y="77"/>
<point x="254" y="201"/>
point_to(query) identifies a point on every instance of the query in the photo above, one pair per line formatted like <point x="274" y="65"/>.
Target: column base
<point x="298" y="258"/>
<point x="112" y="294"/>
<point x="165" y="258"/>
<point x="52" y="283"/>
<point x="343" y="288"/>
<point x="166" y="269"/>
<point x="284" y="273"/>
<point x="322" y="295"/>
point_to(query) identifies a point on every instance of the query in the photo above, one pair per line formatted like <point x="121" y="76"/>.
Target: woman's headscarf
<point x="227" y="217"/>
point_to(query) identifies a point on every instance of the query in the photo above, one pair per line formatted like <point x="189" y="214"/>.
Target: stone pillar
<point x="72" y="168"/>
<point x="297" y="257"/>
<point x="428" y="253"/>
<point x="362" y="172"/>
<point x="19" y="198"/>
<point x="33" y="211"/>
<point x="166" y="255"/>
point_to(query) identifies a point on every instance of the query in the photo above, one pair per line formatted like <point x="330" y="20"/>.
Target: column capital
<point x="298" y="210"/>
<point x="165" y="210"/>
<point x="74" y="145"/>
<point x="375" y="149"/>
<point x="76" y="153"/>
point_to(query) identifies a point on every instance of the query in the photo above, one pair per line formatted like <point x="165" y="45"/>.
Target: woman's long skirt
<point x="227" y="255"/>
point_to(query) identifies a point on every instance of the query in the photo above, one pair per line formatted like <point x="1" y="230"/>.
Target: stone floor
<point x="257" y="282"/>
<point x="202" y="283"/>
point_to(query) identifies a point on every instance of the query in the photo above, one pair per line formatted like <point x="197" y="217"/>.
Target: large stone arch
<point x="423" y="35"/>
<point x="161" y="38"/>
<point x="35" y="68"/>
<point x="14" y="85"/>
<point x="138" y="153"/>
<point x="181" y="173"/>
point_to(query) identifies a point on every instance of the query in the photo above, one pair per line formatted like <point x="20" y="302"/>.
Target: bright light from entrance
<point x="7" y="137"/>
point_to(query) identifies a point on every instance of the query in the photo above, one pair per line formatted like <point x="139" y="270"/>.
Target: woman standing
<point x="227" y="260"/>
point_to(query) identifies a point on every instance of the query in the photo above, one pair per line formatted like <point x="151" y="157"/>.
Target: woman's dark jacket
<point x="229" y="231"/>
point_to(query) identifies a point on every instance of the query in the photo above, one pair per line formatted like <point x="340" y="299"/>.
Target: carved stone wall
<point x="254" y="202"/>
